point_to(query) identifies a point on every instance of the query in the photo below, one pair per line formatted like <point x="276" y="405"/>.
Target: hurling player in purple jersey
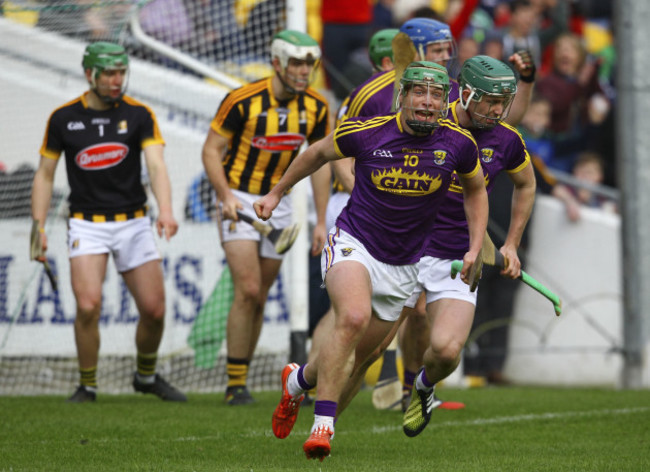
<point x="102" y="134"/>
<point x="433" y="42"/>
<point x="403" y="166"/>
<point x="488" y="87"/>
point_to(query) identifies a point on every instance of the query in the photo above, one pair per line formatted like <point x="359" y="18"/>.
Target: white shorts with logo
<point x="391" y="284"/>
<point x="335" y="205"/>
<point x="130" y="242"/>
<point x="434" y="277"/>
<point x="230" y="230"/>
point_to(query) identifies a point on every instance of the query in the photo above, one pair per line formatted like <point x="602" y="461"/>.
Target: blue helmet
<point x="425" y="31"/>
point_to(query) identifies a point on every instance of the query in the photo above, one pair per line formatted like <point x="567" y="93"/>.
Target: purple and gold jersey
<point x="102" y="153"/>
<point x="373" y="97"/>
<point x="265" y="135"/>
<point x="400" y="182"/>
<point x="500" y="148"/>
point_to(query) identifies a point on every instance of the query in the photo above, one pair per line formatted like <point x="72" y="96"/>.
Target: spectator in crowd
<point x="590" y="168"/>
<point x="524" y="29"/>
<point x="493" y="45"/>
<point x="382" y="14"/>
<point x="467" y="47"/>
<point x="257" y="131"/>
<point x="346" y="30"/>
<point x="102" y="134"/>
<point x="534" y="128"/>
<point x="578" y="103"/>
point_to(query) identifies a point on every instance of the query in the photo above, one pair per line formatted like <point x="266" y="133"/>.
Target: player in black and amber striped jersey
<point x="102" y="134"/>
<point x="257" y="132"/>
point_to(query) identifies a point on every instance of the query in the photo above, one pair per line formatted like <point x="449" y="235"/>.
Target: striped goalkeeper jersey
<point x="500" y="149"/>
<point x="400" y="182"/>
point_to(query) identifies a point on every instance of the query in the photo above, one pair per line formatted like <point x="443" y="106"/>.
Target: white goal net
<point x="41" y="45"/>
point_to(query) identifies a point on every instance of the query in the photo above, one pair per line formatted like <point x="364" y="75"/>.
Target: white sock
<point x="293" y="387"/>
<point x="419" y="384"/>
<point x="325" y="421"/>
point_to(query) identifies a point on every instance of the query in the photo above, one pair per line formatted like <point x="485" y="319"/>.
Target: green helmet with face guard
<point x="381" y="45"/>
<point x="487" y="78"/>
<point x="435" y="82"/>
<point x="288" y="44"/>
<point x="103" y="56"/>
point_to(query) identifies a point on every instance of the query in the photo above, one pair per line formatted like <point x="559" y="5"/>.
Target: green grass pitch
<point x="501" y="429"/>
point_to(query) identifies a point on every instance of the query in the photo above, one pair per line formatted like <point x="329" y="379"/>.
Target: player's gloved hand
<point x="528" y="69"/>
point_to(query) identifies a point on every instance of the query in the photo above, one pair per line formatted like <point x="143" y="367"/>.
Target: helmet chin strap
<point x="288" y="88"/>
<point x="465" y="105"/>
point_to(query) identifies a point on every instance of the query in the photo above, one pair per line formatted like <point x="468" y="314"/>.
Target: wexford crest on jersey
<point x="487" y="154"/>
<point x="439" y="156"/>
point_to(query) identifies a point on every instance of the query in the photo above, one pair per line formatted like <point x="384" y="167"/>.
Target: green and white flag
<point x="209" y="328"/>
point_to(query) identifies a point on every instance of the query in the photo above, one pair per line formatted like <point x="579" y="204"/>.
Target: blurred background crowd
<point x="571" y="117"/>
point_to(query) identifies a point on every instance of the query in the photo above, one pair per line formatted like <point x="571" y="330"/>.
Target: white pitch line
<point x="445" y="424"/>
<point x="519" y="418"/>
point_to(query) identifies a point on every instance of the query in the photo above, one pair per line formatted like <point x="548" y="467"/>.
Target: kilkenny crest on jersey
<point x="487" y="154"/>
<point x="122" y="127"/>
<point x="405" y="183"/>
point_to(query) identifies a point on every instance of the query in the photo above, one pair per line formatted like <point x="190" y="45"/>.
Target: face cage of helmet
<point x="487" y="110"/>
<point x="109" y="84"/>
<point x="298" y="74"/>
<point x="423" y="104"/>
<point x="440" y="52"/>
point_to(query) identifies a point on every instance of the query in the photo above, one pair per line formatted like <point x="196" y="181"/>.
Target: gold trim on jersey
<point x="355" y="126"/>
<point x="455" y="127"/>
<point x="157" y="135"/>
<point x="368" y="91"/>
<point x="508" y="127"/>
<point x="104" y="217"/>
